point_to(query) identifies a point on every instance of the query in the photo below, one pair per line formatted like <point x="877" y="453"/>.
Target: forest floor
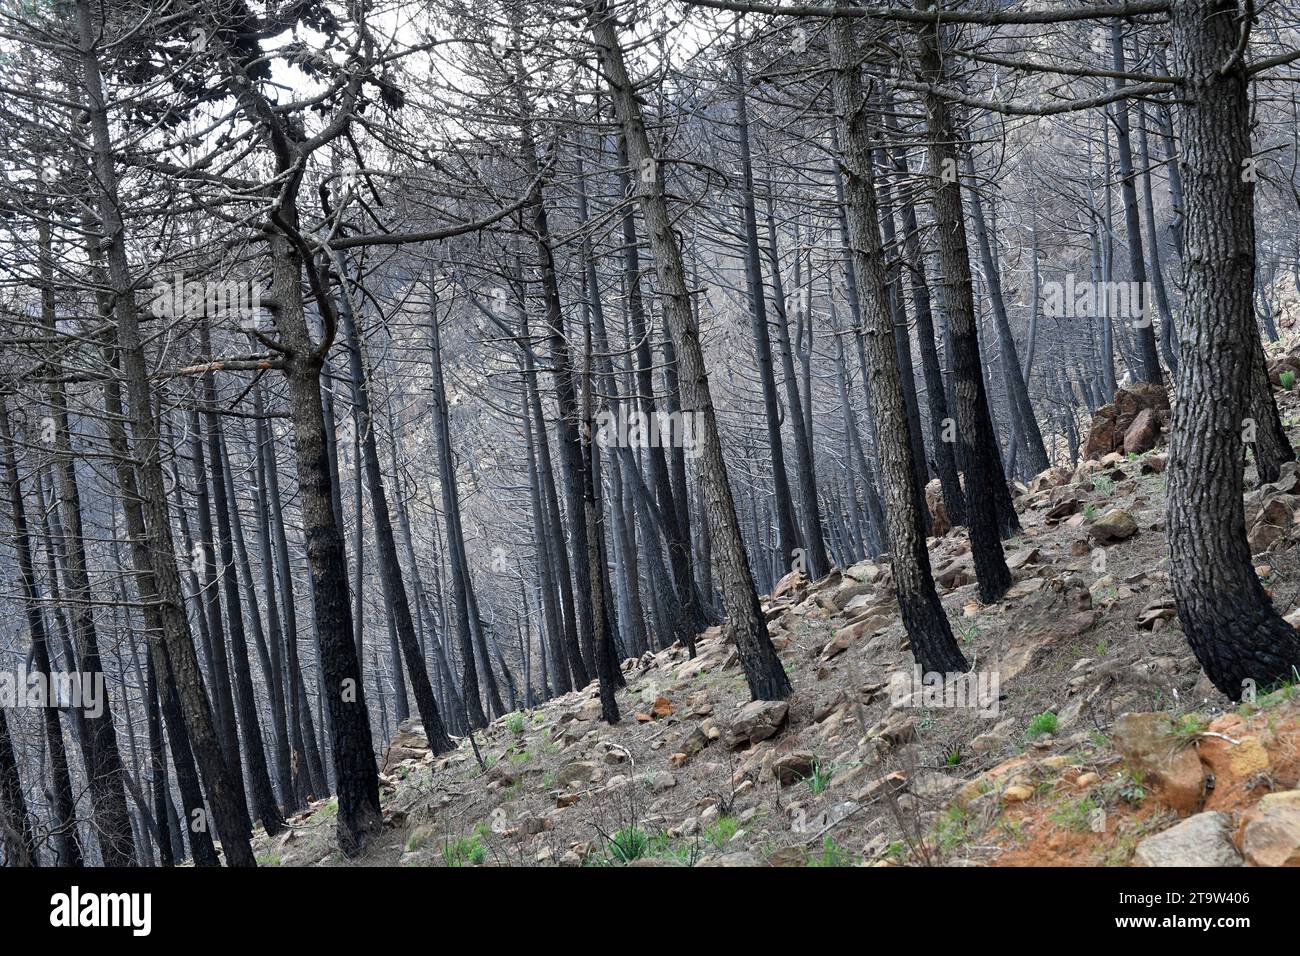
<point x="859" y="770"/>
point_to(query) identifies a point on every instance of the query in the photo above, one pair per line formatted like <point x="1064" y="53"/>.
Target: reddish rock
<point x="1063" y="509"/>
<point x="1269" y="526"/>
<point x="1111" y="422"/>
<point x="1271" y="833"/>
<point x="1103" y="434"/>
<point x="1157" y="755"/>
<point x="1141" y="435"/>
<point x="1051" y="478"/>
<point x="794" y="585"/>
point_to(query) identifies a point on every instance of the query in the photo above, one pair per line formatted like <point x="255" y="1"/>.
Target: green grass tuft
<point x="1044" y="723"/>
<point x="721" y="830"/>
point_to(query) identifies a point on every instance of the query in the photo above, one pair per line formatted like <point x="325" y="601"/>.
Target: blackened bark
<point x="551" y="614"/>
<point x="787" y="529"/>
<point x="268" y="652"/>
<point x="301" y="724"/>
<point x="594" y="313"/>
<point x="764" y="671"/>
<point x="17" y="841"/>
<point x="585" y="576"/>
<point x="942" y="437"/>
<point x="461" y="584"/>
<point x="1272" y="447"/>
<point x="903" y="345"/>
<point x="681" y="612"/>
<point x="1168" y="347"/>
<point x="158" y="767"/>
<point x="800" y="418"/>
<point x="988" y="501"/>
<point x="607" y="669"/>
<point x="1022" y="410"/>
<point x="359" y="818"/>
<point x="933" y="644"/>
<point x="390" y="568"/>
<point x="223" y="696"/>
<point x="230" y="813"/>
<point x="63" y="835"/>
<point x="259" y="775"/>
<point x="554" y="540"/>
<point x="1238" y="637"/>
<point x="1144" y="327"/>
<point x="287" y="739"/>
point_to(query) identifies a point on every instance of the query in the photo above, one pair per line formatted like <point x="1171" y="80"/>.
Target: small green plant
<point x="515" y="722"/>
<point x="664" y="847"/>
<point x="1103" y="485"/>
<point x="1090" y="511"/>
<point x="628" y="844"/>
<point x="831" y="855"/>
<point x="1101" y="648"/>
<point x="520" y="756"/>
<point x="1076" y="815"/>
<point x="1044" y="723"/>
<point x="1131" y="790"/>
<point x="819" y="780"/>
<point x="1287" y="380"/>
<point x="953" y="756"/>
<point x="463" y="851"/>
<point x="1190" y="726"/>
<point x="968" y="634"/>
<point x="721" y="830"/>
<point x="952" y="828"/>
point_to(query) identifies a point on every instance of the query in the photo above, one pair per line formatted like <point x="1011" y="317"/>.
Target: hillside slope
<point x="1100" y="743"/>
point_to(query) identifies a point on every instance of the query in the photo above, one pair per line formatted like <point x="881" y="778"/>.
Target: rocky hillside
<point x="1099" y="743"/>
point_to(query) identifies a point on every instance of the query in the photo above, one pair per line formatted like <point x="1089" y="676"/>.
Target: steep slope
<point x="863" y="765"/>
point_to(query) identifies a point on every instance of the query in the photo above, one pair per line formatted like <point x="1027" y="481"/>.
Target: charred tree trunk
<point x="1238" y="637"/>
<point x="933" y="645"/>
<point x="1143" y="325"/>
<point x="988" y="501"/>
<point x="63" y="835"/>
<point x="942" y="445"/>
<point x="17" y="840"/>
<point x="259" y="775"/>
<point x="469" y="688"/>
<point x="204" y="559"/>
<point x="787" y="529"/>
<point x="1022" y="410"/>
<point x="301" y="723"/>
<point x="359" y="818"/>
<point x="764" y="671"/>
<point x="390" y="568"/>
<point x="681" y="612"/>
